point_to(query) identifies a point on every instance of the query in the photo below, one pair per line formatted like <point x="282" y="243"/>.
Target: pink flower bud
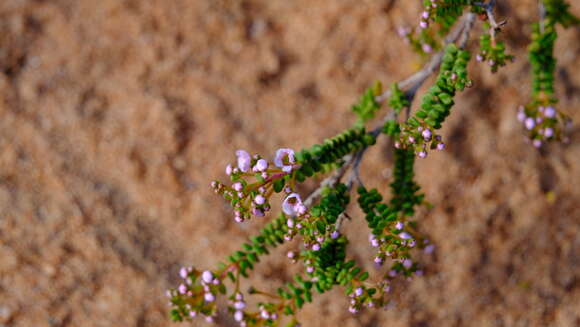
<point x="244" y="160"/>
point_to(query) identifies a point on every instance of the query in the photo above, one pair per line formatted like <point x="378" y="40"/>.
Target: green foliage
<point x="270" y="236"/>
<point x="367" y="106"/>
<point x="557" y="12"/>
<point x="398" y="99"/>
<point x="437" y="102"/>
<point x="493" y="52"/>
<point x="543" y="62"/>
<point x="405" y="195"/>
<point x="332" y="151"/>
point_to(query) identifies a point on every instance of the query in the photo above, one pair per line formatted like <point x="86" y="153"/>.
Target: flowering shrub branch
<point x="257" y="182"/>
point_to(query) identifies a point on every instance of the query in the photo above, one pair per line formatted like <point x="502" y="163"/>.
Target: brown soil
<point x="115" y="116"/>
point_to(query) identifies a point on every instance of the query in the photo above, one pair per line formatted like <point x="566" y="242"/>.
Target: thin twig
<point x="413" y="83"/>
<point x="542" y="10"/>
<point x="329" y="181"/>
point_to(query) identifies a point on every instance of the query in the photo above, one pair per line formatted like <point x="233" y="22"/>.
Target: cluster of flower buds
<point x="196" y="295"/>
<point x="444" y="12"/>
<point x="420" y="139"/>
<point x="429" y="13"/>
<point x="418" y="132"/>
<point x="254" y="180"/>
<point x="362" y="297"/>
<point x="422" y="41"/>
<point x="319" y="224"/>
<point x="493" y="53"/>
<point x="543" y="123"/>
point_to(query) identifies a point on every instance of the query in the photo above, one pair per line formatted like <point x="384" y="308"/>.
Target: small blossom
<point x="530" y="123"/>
<point x="259" y="199"/>
<point x="257" y="212"/>
<point x="479" y="58"/>
<point x="537" y="143"/>
<point x="549" y="132"/>
<point x="405" y="236"/>
<point x="441" y="146"/>
<point x="316" y="247"/>
<point x="426" y="48"/>
<point x="244" y="160"/>
<point x="429" y="248"/>
<point x="521" y="116"/>
<point x="292" y="205"/>
<point x="358" y="292"/>
<point x="239" y="316"/>
<point x="422" y="154"/>
<point x="207" y="277"/>
<point x="426" y="135"/>
<point x="310" y="269"/>
<point x="550" y="112"/>
<point x="425" y="14"/>
<point x="209" y="297"/>
<point x="261" y="165"/>
<point x="239" y="305"/>
<point x="399" y="225"/>
<point x="378" y="260"/>
<point x="284" y="159"/>
<point x="407" y="263"/>
<point x="423" y="24"/>
<point x="334" y="235"/>
<point x="192" y="314"/>
<point x="183" y="272"/>
<point x="182" y="289"/>
<point x="237" y="186"/>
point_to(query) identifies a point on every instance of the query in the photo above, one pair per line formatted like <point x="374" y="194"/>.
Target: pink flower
<point x="239" y="316"/>
<point x="549" y="132"/>
<point x="399" y="225"/>
<point x="292" y="205"/>
<point x="405" y="236"/>
<point x="244" y="160"/>
<point x="207" y="277"/>
<point x="285" y="159"/>
<point x="209" y="297"/>
<point x="530" y="123"/>
<point x="407" y="263"/>
<point x="229" y="169"/>
<point x="426" y="135"/>
<point x="260" y="165"/>
<point x="550" y="112"/>
<point x="423" y="24"/>
<point x="259" y="199"/>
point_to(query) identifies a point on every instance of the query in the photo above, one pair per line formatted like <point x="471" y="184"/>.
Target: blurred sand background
<point x="116" y="115"/>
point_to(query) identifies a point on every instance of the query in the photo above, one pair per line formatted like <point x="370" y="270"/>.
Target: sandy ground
<point x="115" y="116"/>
